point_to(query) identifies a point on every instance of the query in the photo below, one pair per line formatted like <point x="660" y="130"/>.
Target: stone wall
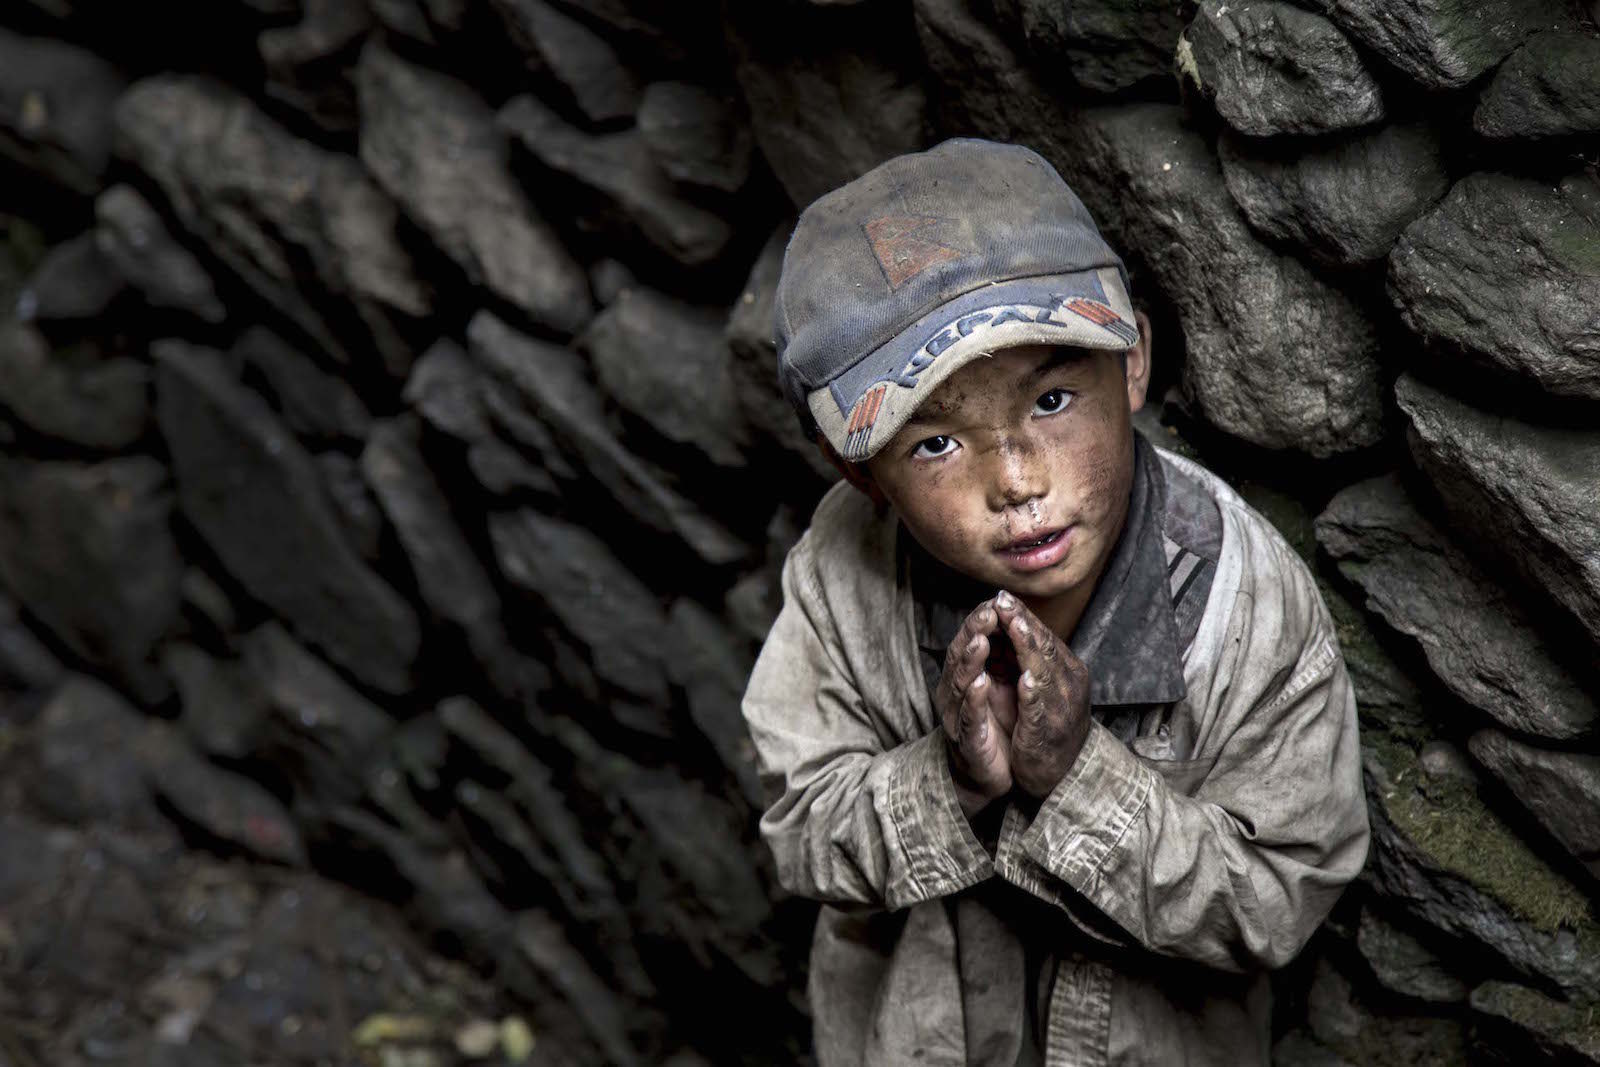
<point x="387" y="418"/>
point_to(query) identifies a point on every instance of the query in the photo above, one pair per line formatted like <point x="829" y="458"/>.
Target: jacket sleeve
<point x="1233" y="859"/>
<point x="861" y="817"/>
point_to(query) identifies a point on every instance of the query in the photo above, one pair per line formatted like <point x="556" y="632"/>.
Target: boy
<point x="1059" y="728"/>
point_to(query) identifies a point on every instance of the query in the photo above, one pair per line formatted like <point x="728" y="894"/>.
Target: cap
<point x="893" y="282"/>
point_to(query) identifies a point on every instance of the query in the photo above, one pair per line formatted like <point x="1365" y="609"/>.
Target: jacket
<point x="1205" y="830"/>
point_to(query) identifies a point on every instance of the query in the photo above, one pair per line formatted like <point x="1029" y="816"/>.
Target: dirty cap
<point x="893" y="282"/>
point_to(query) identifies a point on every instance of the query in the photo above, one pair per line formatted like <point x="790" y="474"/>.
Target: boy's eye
<point x="1051" y="402"/>
<point x="938" y="445"/>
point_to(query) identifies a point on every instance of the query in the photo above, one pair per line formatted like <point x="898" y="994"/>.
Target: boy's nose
<point x="1018" y="476"/>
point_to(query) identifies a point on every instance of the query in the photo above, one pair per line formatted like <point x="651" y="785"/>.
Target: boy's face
<point x="1016" y="471"/>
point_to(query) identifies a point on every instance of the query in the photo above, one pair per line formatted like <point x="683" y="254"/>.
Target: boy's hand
<point x="979" y="747"/>
<point x="1052" y="701"/>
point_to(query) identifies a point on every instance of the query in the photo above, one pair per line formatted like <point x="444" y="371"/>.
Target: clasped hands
<point x="1001" y="733"/>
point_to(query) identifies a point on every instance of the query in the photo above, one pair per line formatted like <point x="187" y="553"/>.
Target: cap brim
<point x="863" y="408"/>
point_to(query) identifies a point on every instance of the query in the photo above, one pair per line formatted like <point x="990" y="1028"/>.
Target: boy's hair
<point x="893" y="282"/>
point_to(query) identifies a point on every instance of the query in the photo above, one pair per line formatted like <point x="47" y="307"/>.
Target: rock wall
<point x="388" y="419"/>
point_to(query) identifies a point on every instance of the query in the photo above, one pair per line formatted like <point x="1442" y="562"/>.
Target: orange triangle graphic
<point x="905" y="248"/>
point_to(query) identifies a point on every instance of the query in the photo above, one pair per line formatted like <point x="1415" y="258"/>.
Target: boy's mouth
<point x="1038" y="550"/>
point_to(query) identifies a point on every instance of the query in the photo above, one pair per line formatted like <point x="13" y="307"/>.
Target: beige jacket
<point x="1206" y="829"/>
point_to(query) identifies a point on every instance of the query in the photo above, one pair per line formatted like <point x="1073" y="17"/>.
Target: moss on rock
<point x="1458" y="833"/>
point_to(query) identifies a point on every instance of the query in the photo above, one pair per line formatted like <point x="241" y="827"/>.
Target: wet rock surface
<point x="1506" y="271"/>
<point x="1273" y="68"/>
<point x="1479" y="641"/>
<point x="1157" y="186"/>
<point x="1345" y="203"/>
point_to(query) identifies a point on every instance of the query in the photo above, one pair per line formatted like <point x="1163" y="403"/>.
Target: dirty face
<point x="1016" y="471"/>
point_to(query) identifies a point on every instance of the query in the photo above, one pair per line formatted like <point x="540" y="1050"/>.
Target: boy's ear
<point x="1136" y="361"/>
<point x="854" y="473"/>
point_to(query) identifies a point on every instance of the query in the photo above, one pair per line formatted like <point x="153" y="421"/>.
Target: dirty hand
<point x="1052" y="701"/>
<point x="979" y="746"/>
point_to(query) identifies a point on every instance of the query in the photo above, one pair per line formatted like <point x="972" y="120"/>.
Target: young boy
<point x="1058" y="726"/>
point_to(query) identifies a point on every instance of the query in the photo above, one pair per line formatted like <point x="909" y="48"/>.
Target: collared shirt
<point x="1143" y="614"/>
<point x="1207" y="826"/>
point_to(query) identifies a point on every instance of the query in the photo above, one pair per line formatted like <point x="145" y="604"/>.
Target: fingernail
<point x="1026" y="681"/>
<point x="1022" y="626"/>
<point x="981" y="680"/>
<point x="972" y="646"/>
<point x="983" y="730"/>
<point x="1004" y="599"/>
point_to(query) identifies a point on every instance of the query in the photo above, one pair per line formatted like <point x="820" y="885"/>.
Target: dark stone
<point x="303" y="226"/>
<point x="563" y="857"/>
<point x="620" y="171"/>
<point x="319" y="729"/>
<point x="711" y="665"/>
<point x="1272" y="68"/>
<point x="75" y="281"/>
<point x="1404" y="965"/>
<point x="1344" y="1023"/>
<point x="611" y="613"/>
<point x="1528" y="492"/>
<point x="1507" y="271"/>
<point x="1105" y="45"/>
<point x="82" y="766"/>
<point x="352" y="501"/>
<point x="207" y="603"/>
<point x="1515" y="1025"/>
<point x="609" y="279"/>
<point x="752" y="604"/>
<point x="460" y="399"/>
<point x="454" y="585"/>
<point x="1550" y="87"/>
<point x="1345" y="203"/>
<point x="690" y="861"/>
<point x="452" y="394"/>
<point x="55" y="109"/>
<point x="552" y="382"/>
<point x="697" y="135"/>
<point x="316" y="405"/>
<point x="101" y="405"/>
<point x="224" y="709"/>
<point x="605" y="1017"/>
<point x="982" y="86"/>
<point x="427" y="21"/>
<point x="1480" y="640"/>
<point x="88" y="550"/>
<point x="257" y="498"/>
<point x="832" y="93"/>
<point x="1157" y="190"/>
<point x="1442" y="857"/>
<point x="136" y="241"/>
<point x="667" y="364"/>
<point x="447" y="898"/>
<point x="225" y="807"/>
<point x="432" y="143"/>
<point x="299" y="58"/>
<point x="1443" y="44"/>
<point x="1561" y="789"/>
<point x="673" y="34"/>
<point x="26" y="663"/>
<point x="445" y="388"/>
<point x="1386" y="696"/>
<point x="755" y="360"/>
<point x="582" y="61"/>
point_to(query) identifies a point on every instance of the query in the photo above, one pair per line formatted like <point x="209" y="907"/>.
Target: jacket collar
<point x="1128" y="635"/>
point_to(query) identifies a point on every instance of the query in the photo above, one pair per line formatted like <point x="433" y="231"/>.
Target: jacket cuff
<point x="1082" y="823"/>
<point x="942" y="853"/>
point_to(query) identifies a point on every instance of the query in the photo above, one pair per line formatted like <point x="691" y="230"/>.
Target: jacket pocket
<point x="1181" y="775"/>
